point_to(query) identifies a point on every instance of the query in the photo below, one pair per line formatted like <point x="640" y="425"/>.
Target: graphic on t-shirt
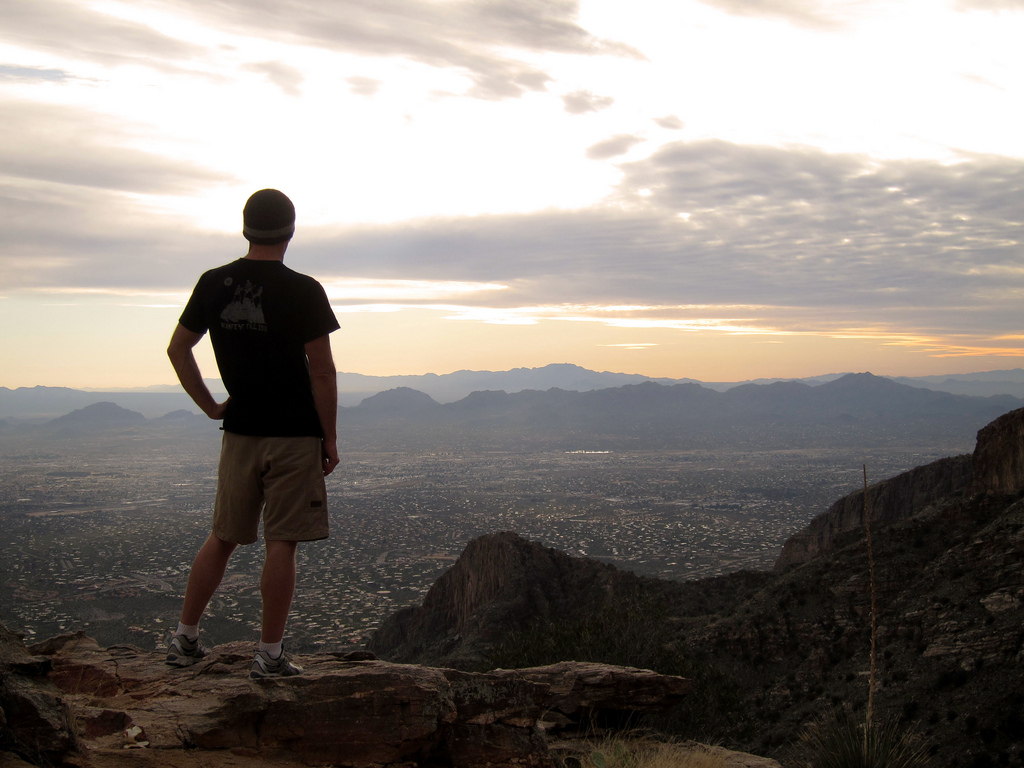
<point x="245" y="312"/>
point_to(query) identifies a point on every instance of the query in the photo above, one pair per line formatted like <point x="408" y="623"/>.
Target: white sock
<point x="273" y="650"/>
<point x="191" y="631"/>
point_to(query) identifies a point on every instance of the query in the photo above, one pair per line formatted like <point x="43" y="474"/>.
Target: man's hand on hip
<point x="329" y="451"/>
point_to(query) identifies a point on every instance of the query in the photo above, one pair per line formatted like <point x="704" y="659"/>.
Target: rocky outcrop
<point x="499" y="583"/>
<point x="346" y="710"/>
<point x="35" y="721"/>
<point x="999" y="455"/>
<point x="995" y="467"/>
<point x="891" y="500"/>
<point x="950" y="649"/>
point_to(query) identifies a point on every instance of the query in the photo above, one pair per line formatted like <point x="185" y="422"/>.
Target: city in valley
<point x="100" y="528"/>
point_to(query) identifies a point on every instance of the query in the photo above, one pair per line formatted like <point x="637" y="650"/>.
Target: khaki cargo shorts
<point x="280" y="477"/>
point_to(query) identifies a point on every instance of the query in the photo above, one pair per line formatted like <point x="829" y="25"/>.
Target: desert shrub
<point x="841" y="740"/>
<point x="627" y="752"/>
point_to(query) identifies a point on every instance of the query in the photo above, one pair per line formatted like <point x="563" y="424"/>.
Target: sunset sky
<point x="714" y="189"/>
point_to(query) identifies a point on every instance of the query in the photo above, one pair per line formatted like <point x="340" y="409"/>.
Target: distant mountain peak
<point x="100" y="413"/>
<point x="398" y="399"/>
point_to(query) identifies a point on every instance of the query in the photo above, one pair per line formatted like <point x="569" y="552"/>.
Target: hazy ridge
<point x="42" y="402"/>
<point x="855" y="409"/>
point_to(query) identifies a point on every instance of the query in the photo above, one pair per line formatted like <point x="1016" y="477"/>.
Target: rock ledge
<point x="348" y="710"/>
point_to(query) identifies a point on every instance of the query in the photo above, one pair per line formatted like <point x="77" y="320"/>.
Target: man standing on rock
<point x="270" y="329"/>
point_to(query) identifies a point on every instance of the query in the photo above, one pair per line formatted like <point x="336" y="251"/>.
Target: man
<point x="270" y="329"/>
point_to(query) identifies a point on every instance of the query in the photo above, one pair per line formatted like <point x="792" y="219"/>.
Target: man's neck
<point x="267" y="252"/>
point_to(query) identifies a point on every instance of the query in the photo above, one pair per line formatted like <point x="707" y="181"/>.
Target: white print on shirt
<point x="245" y="312"/>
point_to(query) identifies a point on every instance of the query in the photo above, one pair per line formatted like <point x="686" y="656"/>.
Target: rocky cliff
<point x="999" y="456"/>
<point x="890" y="501"/>
<point x="995" y="467"/>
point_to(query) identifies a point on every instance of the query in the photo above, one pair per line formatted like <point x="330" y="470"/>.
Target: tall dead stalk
<point x="874" y="606"/>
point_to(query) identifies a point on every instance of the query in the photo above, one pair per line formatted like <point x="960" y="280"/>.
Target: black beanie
<point x="268" y="218"/>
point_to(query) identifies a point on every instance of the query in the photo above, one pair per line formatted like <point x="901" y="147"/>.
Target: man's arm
<point x="185" y="365"/>
<point x="324" y="377"/>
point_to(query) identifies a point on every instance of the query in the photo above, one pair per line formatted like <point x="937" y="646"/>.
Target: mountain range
<point x="41" y="403"/>
<point x="855" y="409"/>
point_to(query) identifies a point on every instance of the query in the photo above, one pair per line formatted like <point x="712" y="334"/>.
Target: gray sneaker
<point x="182" y="652"/>
<point x="264" y="666"/>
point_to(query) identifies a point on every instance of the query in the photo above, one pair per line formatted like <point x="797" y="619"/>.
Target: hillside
<point x="784" y="646"/>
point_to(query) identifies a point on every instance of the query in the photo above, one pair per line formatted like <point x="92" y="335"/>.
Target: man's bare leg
<point x="207" y="571"/>
<point x="277" y="586"/>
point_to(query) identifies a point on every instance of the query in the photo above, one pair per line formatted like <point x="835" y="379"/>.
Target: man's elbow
<point x="324" y="376"/>
<point x="176" y="353"/>
<point x="322" y="366"/>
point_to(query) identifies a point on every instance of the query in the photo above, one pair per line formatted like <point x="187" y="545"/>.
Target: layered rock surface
<point x="90" y="704"/>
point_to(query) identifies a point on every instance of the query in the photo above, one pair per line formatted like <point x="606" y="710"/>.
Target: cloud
<point x="285" y="77"/>
<point x="59" y="236"/>
<point x="990" y="5"/>
<point x="361" y="289"/>
<point x="613" y="147"/>
<point x="71" y="29"/>
<point x="474" y="36"/>
<point x="581" y="102"/>
<point x="734" y="238"/>
<point x="820" y="14"/>
<point x="52" y="143"/>
<point x="791" y="239"/>
<point x="488" y="40"/>
<point x="669" y="122"/>
<point x="43" y="74"/>
<point x="363" y="86"/>
<point x="902" y="233"/>
<point x="73" y="199"/>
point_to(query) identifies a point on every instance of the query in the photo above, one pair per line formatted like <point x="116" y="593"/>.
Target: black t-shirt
<point x="260" y="315"/>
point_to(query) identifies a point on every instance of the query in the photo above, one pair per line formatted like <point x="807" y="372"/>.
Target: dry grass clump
<point x="844" y="741"/>
<point x="642" y="752"/>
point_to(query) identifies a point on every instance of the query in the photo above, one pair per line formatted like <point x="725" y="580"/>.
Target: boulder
<point x="35" y="721"/>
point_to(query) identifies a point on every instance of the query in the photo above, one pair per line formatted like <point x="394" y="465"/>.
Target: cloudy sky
<point x="715" y="189"/>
